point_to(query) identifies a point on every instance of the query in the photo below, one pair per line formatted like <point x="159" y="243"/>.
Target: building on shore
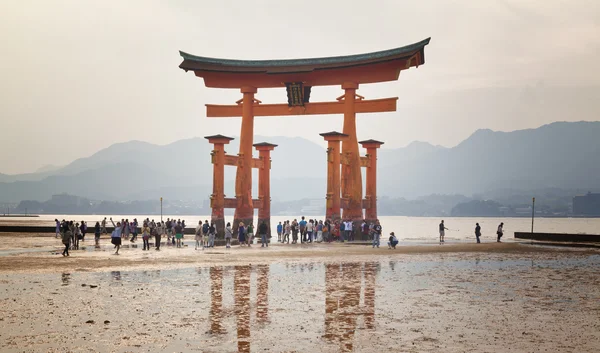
<point x="587" y="205"/>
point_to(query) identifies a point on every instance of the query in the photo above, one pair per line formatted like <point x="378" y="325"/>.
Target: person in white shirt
<point x="348" y="230"/>
<point x="309" y="231"/>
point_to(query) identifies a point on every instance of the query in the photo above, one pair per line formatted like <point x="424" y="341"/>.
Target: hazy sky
<point x="77" y="76"/>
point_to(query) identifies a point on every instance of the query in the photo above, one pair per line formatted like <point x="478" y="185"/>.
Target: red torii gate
<point x="299" y="76"/>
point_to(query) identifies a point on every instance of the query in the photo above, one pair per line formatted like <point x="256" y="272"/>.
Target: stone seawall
<point x="564" y="237"/>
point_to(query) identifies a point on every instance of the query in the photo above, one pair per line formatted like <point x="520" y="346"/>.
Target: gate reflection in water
<point x="343" y="283"/>
<point x="349" y="296"/>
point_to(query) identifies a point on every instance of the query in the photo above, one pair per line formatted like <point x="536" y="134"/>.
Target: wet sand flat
<point x="307" y="298"/>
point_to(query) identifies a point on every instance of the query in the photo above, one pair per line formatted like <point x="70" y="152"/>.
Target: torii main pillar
<point x="371" y="182"/>
<point x="351" y="175"/>
<point x="264" y="183"/>
<point x="217" y="199"/>
<point x="244" y="212"/>
<point x="333" y="174"/>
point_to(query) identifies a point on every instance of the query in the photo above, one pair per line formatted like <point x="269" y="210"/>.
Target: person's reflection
<point x="216" y="300"/>
<point x="241" y="288"/>
<point x="66" y="279"/>
<point x="262" y="293"/>
<point x="116" y="275"/>
<point x="370" y="272"/>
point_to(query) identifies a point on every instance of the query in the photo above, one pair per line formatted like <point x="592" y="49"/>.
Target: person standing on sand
<point x="477" y="232"/>
<point x="160" y="230"/>
<point x="178" y="234"/>
<point x="500" y="232"/>
<point x="320" y="232"/>
<point x="376" y="234"/>
<point x="72" y="231"/>
<point x="302" y="226"/>
<point x="57" y="227"/>
<point x="442" y="228"/>
<point x="294" y="228"/>
<point x="348" y="230"/>
<point x="250" y="234"/>
<point x="212" y="231"/>
<point x="326" y="233"/>
<point x="83" y="228"/>
<point x="199" y="236"/>
<point x="146" y="236"/>
<point x="228" y="235"/>
<point x="205" y="228"/>
<point x="66" y="238"/>
<point x="263" y="230"/>
<point x="126" y="230"/>
<point x="97" y="234"/>
<point x="287" y="229"/>
<point x="241" y="234"/>
<point x="78" y="236"/>
<point x="115" y="236"/>
<point x="133" y="229"/>
<point x="309" y="231"/>
<point x="279" y="232"/>
<point x="168" y="225"/>
<point x="103" y="226"/>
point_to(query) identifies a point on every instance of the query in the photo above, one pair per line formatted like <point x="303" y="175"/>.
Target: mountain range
<point x="558" y="155"/>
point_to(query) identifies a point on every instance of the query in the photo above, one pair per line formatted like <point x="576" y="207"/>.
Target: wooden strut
<point x="318" y="108"/>
<point x="232" y="160"/>
<point x="366" y="203"/>
<point x="232" y="203"/>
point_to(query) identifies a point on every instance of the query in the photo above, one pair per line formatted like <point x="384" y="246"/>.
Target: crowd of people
<point x="288" y="232"/>
<point x="327" y="231"/>
<point x="70" y="232"/>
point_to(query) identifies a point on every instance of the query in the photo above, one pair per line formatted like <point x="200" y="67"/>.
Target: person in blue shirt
<point x="376" y="234"/>
<point x="279" y="231"/>
<point x="302" y="225"/>
<point x="241" y="234"/>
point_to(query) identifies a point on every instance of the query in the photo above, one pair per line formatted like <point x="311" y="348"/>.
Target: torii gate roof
<point x="372" y="67"/>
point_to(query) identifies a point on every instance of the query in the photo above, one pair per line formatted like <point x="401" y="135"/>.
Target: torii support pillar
<point x="371" y="173"/>
<point x="217" y="199"/>
<point x="351" y="175"/>
<point x="333" y="208"/>
<point x="264" y="184"/>
<point x="244" y="212"/>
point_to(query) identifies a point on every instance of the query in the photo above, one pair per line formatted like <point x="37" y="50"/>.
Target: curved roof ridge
<point x="309" y="61"/>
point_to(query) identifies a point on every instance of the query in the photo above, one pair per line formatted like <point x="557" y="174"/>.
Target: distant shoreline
<point x="311" y="215"/>
<point x="20" y="215"/>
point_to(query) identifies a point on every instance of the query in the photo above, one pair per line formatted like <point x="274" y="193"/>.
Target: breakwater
<point x="561" y="237"/>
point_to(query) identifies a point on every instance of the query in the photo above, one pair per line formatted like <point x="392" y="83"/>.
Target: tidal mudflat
<point x="313" y="298"/>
